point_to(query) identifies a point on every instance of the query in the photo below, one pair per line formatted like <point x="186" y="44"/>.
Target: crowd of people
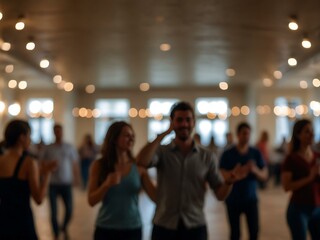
<point x="113" y="178"/>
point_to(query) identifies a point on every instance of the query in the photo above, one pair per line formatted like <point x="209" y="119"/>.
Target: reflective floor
<point x="273" y="202"/>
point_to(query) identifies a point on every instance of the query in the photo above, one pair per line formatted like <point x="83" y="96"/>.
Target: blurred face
<point x="306" y="135"/>
<point x="126" y="139"/>
<point x="183" y="124"/>
<point x="244" y="136"/>
<point x="58" y="132"/>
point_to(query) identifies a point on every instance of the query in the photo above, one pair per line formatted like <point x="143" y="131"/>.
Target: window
<point x="211" y="114"/>
<point x="285" y="117"/>
<point x="111" y="110"/>
<point x="160" y="110"/>
<point x="39" y="111"/>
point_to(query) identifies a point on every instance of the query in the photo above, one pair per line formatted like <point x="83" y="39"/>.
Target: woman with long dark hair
<point x="116" y="180"/>
<point x="20" y="179"/>
<point x="300" y="176"/>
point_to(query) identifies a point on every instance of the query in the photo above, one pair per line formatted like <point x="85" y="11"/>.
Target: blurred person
<point x="300" y="176"/>
<point x="115" y="180"/>
<point x="276" y="160"/>
<point x="213" y="146"/>
<point x="88" y="152"/>
<point x="35" y="149"/>
<point x="66" y="174"/>
<point x="229" y="141"/>
<point x="197" y="138"/>
<point x="183" y="170"/>
<point x="20" y="178"/>
<point x="263" y="147"/>
<point x="243" y="198"/>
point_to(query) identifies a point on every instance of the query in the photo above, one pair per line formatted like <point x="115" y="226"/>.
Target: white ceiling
<point x="115" y="43"/>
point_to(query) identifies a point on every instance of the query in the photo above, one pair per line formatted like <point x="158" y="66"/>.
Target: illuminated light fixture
<point x="30" y="45"/>
<point x="61" y="84"/>
<point x="293" y="24"/>
<point x="96" y="113"/>
<point x="89" y="113"/>
<point x="316" y="82"/>
<point x="12" y="83"/>
<point x="22" y="85"/>
<point x="165" y="47"/>
<point x="68" y="87"/>
<point x="20" y="24"/>
<point x="277" y="74"/>
<point x="90" y="89"/>
<point x="235" y="111"/>
<point x="144" y="87"/>
<point x="245" y="110"/>
<point x="230" y="72"/>
<point x="1" y="15"/>
<point x="303" y="84"/>
<point x="57" y="79"/>
<point x="9" y="68"/>
<point x="223" y="85"/>
<point x="14" y="109"/>
<point x="211" y="115"/>
<point x="75" y="112"/>
<point x="148" y="112"/>
<point x="306" y="42"/>
<point x="44" y="63"/>
<point x="142" y="113"/>
<point x="267" y="82"/>
<point x="6" y="46"/>
<point x="133" y="112"/>
<point x="292" y="62"/>
<point x="83" y="112"/>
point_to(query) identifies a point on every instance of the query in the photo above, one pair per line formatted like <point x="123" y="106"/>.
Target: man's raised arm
<point x="147" y="152"/>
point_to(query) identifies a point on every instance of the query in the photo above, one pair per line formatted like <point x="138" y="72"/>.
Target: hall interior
<point x="85" y="64"/>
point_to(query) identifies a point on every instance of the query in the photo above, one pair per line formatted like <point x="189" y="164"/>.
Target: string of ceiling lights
<point x="305" y="43"/>
<point x="44" y="63"/>
<point x="293" y="25"/>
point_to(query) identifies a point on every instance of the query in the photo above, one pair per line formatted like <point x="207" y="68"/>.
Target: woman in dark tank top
<point x="19" y="179"/>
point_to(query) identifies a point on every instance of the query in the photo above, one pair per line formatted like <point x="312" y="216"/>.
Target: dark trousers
<point x="250" y="210"/>
<point x="65" y="192"/>
<point x="85" y="166"/>
<point x="181" y="233"/>
<point x="301" y="218"/>
<point x="113" y="234"/>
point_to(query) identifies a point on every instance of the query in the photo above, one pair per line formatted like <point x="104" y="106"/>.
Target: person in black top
<point x="20" y="179"/>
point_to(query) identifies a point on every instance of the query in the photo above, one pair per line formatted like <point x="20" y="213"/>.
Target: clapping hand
<point x="237" y="173"/>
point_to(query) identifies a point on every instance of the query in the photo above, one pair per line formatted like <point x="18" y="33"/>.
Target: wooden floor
<point x="273" y="203"/>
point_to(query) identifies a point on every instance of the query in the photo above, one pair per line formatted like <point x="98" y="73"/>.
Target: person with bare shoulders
<point x="116" y="180"/>
<point x="184" y="169"/>
<point x="300" y="176"/>
<point x="19" y="179"/>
